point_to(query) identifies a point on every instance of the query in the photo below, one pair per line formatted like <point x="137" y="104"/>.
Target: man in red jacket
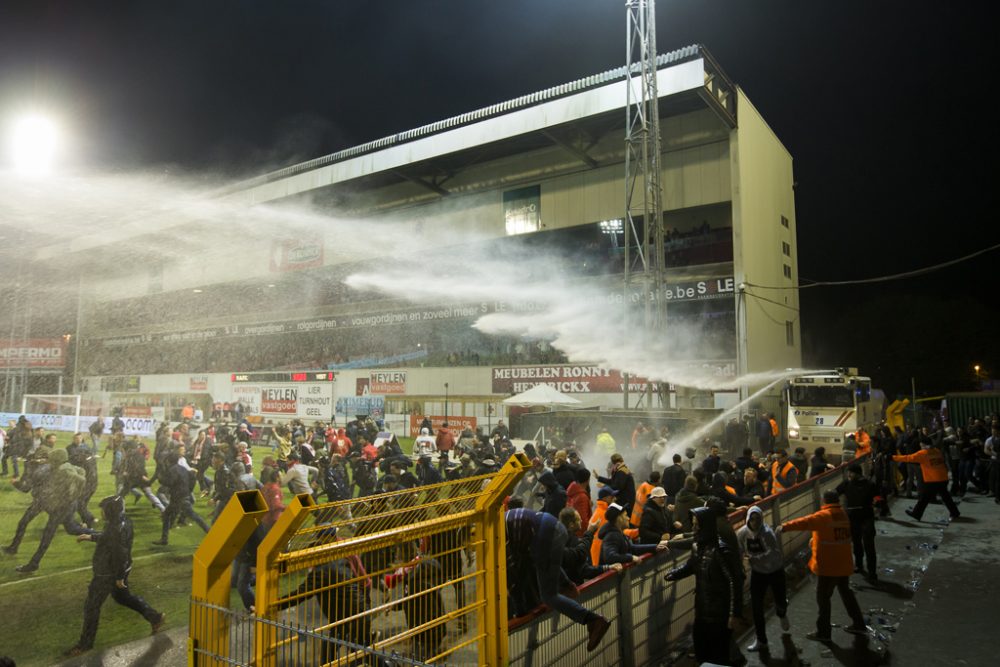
<point x="578" y="497"/>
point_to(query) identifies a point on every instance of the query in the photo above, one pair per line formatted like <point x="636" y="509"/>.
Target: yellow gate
<point x="415" y="576"/>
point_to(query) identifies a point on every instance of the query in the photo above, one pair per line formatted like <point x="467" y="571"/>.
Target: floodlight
<point x="34" y="140"/>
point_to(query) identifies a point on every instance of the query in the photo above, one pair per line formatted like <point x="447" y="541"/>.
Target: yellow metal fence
<point x="412" y="576"/>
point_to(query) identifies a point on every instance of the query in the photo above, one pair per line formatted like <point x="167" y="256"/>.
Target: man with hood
<point x="554" y="496"/>
<point x="56" y="487"/>
<point x="112" y="563"/>
<point x="717" y="596"/>
<point x="759" y="545"/>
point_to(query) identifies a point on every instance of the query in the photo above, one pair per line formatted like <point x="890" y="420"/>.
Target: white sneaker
<point x="785" y="625"/>
<point x="757" y="645"/>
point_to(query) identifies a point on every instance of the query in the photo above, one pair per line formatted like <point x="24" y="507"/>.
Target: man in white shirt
<point x="298" y="477"/>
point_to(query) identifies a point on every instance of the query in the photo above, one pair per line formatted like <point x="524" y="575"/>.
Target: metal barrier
<point x="414" y="576"/>
<point x="649" y="615"/>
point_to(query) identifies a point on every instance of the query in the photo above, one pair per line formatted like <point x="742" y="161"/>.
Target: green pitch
<point x="43" y="611"/>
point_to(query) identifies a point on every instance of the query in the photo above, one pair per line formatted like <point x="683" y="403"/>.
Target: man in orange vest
<point x="935" y="473"/>
<point x="784" y="474"/>
<point x="831" y="562"/>
<point x="641" y="494"/>
<point x="864" y="443"/>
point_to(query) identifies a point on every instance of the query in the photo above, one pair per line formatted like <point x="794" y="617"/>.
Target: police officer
<point x="859" y="493"/>
<point x="112" y="563"/>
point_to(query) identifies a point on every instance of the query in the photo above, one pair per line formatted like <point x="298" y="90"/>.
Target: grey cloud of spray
<point x="583" y="319"/>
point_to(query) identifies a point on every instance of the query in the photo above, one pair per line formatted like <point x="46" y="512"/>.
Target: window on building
<point x="786" y="249"/>
<point x="784" y="221"/>
<point x="789" y="334"/>
<point x="788" y="271"/>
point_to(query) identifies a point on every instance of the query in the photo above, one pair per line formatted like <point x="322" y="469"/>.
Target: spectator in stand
<point x="641" y="494"/>
<point x="734" y="437"/>
<point x="673" y="477"/>
<point x="818" y="463"/>
<point x="616" y="547"/>
<point x="688" y="462"/>
<point x="500" y="430"/>
<point x="687" y="499"/>
<point x="656" y="524"/>
<point x="564" y="471"/>
<point x="621" y="479"/>
<point x="764" y="434"/>
<point x="800" y="462"/>
<point x="606" y="442"/>
<point x="784" y="475"/>
<point x="746" y="460"/>
<point x="576" y="557"/>
<point x="540" y="539"/>
<point x="445" y="440"/>
<point x="711" y="463"/>
<point x="752" y="487"/>
<point x="554" y="497"/>
<point x="578" y="497"/>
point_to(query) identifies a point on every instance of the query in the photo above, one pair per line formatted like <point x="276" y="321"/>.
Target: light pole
<point x="446" y="401"/>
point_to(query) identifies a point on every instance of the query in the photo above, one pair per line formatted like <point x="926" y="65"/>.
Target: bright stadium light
<point x="33" y="144"/>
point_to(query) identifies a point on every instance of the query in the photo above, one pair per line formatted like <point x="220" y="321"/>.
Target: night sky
<point x="885" y="106"/>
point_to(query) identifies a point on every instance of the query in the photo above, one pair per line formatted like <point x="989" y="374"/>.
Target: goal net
<point x="66" y="407"/>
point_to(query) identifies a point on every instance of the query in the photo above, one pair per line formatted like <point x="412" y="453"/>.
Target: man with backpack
<point x="56" y="486"/>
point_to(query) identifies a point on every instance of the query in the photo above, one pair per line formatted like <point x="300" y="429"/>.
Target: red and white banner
<point x="455" y="424"/>
<point x="33" y="353"/>
<point x="566" y="379"/>
<point x="279" y="401"/>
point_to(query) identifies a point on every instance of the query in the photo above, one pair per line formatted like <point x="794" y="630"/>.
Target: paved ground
<point x="938" y="585"/>
<point x="932" y="604"/>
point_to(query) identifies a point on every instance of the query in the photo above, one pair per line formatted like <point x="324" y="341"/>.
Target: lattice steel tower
<point x="643" y="200"/>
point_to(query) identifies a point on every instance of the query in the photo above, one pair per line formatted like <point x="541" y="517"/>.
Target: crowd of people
<point x="567" y="521"/>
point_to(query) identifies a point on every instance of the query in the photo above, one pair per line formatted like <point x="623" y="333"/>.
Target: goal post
<point x="64" y="405"/>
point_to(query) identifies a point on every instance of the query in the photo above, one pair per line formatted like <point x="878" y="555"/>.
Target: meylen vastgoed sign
<point x="33" y="353"/>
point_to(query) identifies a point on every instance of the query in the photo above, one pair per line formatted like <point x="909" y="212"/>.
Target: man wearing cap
<point x="655" y="524"/>
<point x="615" y="546"/>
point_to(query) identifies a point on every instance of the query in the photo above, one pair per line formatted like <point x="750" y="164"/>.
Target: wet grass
<point x="42" y="612"/>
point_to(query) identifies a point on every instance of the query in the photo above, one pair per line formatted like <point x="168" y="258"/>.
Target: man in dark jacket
<point x="112" y="563"/>
<point x="859" y="501"/>
<point x="717" y="596"/>
<point x="179" y="482"/>
<point x="535" y="545"/>
<point x="673" y="477"/>
<point x="622" y="481"/>
<point x="554" y="497"/>
<point x="576" y="557"/>
<point x="338" y="599"/>
<point x="55" y="488"/>
<point x="652" y="528"/>
<point x="615" y="546"/>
